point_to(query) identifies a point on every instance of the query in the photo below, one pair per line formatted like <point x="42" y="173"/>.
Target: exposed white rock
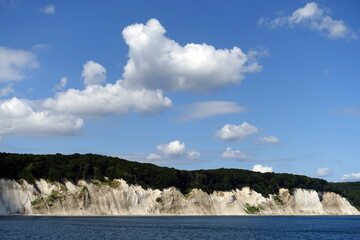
<point x="119" y="198"/>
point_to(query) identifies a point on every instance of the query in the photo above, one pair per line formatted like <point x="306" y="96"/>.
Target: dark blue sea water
<point x="249" y="227"/>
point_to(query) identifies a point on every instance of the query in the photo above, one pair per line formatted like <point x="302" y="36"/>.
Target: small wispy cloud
<point x="323" y="172"/>
<point x="48" y="9"/>
<point x="9" y="3"/>
<point x="281" y="159"/>
<point x="156" y="159"/>
<point x="262" y="169"/>
<point x="62" y="84"/>
<point x="326" y="71"/>
<point x="93" y="73"/>
<point x="153" y="156"/>
<point x="266" y="140"/>
<point x="173" y="150"/>
<point x="315" y="18"/>
<point x="350" y="111"/>
<point x="230" y="132"/>
<point x="233" y="154"/>
<point x="7" y="90"/>
<point x="351" y="177"/>
<point x="206" y="109"/>
<point x="40" y="47"/>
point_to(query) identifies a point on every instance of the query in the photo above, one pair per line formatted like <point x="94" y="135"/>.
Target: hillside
<point x="77" y="167"/>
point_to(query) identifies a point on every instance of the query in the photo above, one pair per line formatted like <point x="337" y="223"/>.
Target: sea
<point x="182" y="227"/>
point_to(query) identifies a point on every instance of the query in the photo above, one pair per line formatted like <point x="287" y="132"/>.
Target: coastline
<point x="86" y="199"/>
<point x="179" y="215"/>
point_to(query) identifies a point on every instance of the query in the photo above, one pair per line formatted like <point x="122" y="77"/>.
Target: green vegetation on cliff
<point x="74" y="167"/>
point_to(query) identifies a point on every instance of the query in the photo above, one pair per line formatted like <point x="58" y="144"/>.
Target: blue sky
<point x="263" y="85"/>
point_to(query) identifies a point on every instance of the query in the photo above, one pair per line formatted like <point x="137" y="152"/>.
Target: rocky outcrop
<point x="119" y="198"/>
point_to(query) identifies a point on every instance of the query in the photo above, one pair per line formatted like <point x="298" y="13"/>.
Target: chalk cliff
<point x="119" y="198"/>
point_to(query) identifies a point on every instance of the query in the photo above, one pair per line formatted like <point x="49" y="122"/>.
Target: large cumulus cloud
<point x="18" y="117"/>
<point x="108" y="99"/>
<point x="157" y="62"/>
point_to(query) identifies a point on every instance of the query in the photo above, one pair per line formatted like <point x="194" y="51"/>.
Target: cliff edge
<point x="118" y="198"/>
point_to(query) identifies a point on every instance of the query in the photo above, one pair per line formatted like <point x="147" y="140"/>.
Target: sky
<point x="268" y="86"/>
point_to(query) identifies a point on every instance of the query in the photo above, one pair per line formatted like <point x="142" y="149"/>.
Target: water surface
<point x="245" y="227"/>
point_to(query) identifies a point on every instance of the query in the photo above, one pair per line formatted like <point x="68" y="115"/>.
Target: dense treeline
<point x="74" y="167"/>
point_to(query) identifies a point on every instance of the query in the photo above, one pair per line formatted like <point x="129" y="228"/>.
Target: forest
<point x="75" y="167"/>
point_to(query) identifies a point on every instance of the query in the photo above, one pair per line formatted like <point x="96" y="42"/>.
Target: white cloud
<point x="19" y="118"/>
<point x="175" y="148"/>
<point x="200" y="110"/>
<point x="233" y="154"/>
<point x="13" y="62"/>
<point x="108" y="99"/>
<point x="62" y="84"/>
<point x="6" y="90"/>
<point x="231" y="132"/>
<point x="315" y="18"/>
<point x="267" y="140"/>
<point x="326" y="71"/>
<point x="323" y="172"/>
<point x="93" y="73"/>
<point x="193" y="155"/>
<point x="157" y="62"/>
<point x="153" y="156"/>
<point x="350" y="111"/>
<point x="262" y="169"/>
<point x="48" y="9"/>
<point x="351" y="177"/>
<point x="40" y="47"/>
<point x="9" y="3"/>
<point x="171" y="150"/>
<point x="262" y="21"/>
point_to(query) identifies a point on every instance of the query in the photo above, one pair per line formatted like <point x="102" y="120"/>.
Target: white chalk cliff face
<point x="119" y="198"/>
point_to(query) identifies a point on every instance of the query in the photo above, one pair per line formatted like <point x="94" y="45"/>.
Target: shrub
<point x="251" y="209"/>
<point x="187" y="195"/>
<point x="83" y="191"/>
<point x="53" y="196"/>
<point x="278" y="199"/>
<point x="63" y="188"/>
<point x="114" y="184"/>
<point x="96" y="182"/>
<point x="37" y="201"/>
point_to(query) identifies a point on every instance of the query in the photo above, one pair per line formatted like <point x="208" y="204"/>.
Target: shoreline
<point x="179" y="215"/>
<point x="126" y="200"/>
